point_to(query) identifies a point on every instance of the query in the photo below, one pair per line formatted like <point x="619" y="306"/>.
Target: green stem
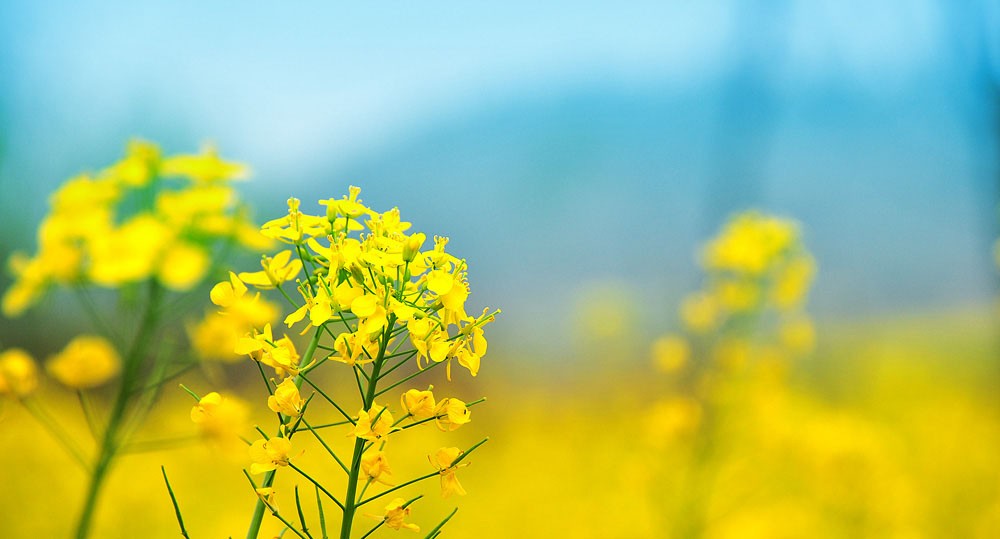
<point x="110" y="443"/>
<point x="258" y="510"/>
<point x="350" y="499"/>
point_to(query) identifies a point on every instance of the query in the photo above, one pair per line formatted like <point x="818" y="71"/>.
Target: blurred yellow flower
<point x="183" y="266"/>
<point x="699" y="312"/>
<point x="87" y="361"/>
<point x="749" y="243"/>
<point x="220" y="418"/>
<point x="18" y="373"/>
<point x="671" y="353"/>
<point x="205" y="167"/>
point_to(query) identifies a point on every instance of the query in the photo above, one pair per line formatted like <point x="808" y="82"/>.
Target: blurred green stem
<point x="110" y="442"/>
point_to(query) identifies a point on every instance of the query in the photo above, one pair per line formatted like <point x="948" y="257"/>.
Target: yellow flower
<point x="419" y="404"/>
<point x="352" y="351"/>
<point x="277" y="270"/>
<point x="268" y="455"/>
<point x="673" y="417"/>
<point x="129" y="253"/>
<point x="798" y="335"/>
<point x="205" y="167"/>
<point x="286" y="399"/>
<point x="269" y="496"/>
<point x="373" y="432"/>
<point x="700" y="312"/>
<point x="450" y="414"/>
<point x="671" y="353"/>
<point x="220" y="418"/>
<point x="18" y="373"/>
<point x="750" y="243"/>
<point x="87" y="361"/>
<point x="139" y="165"/>
<point x="225" y="293"/>
<point x="183" y="266"/>
<point x="294" y="227"/>
<point x="792" y="282"/>
<point x="349" y="206"/>
<point x="373" y="466"/>
<point x="444" y="461"/>
<point x="278" y="354"/>
<point x="395" y="513"/>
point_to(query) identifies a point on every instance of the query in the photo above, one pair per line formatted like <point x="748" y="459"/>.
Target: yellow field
<point x="890" y="430"/>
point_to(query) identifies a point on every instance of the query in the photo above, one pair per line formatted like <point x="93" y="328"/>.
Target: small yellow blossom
<point x="183" y="266"/>
<point x="419" y="404"/>
<point x="220" y="418"/>
<point x="18" y="373"/>
<point x="277" y="270"/>
<point x="671" y="353"/>
<point x="286" y="399"/>
<point x="699" y="312"/>
<point x="225" y="293"/>
<point x="395" y="513"/>
<point x="205" y="167"/>
<point x="364" y="428"/>
<point x="444" y="461"/>
<point x="450" y="414"/>
<point x="269" y="496"/>
<point x="374" y="465"/>
<point x="268" y="455"/>
<point x="87" y="361"/>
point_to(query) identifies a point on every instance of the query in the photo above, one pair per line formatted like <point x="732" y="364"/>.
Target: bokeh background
<point x="578" y="155"/>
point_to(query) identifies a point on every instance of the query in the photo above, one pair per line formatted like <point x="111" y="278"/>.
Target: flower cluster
<point x="147" y="216"/>
<point x="757" y="276"/>
<point x="365" y="287"/>
<point x="149" y="229"/>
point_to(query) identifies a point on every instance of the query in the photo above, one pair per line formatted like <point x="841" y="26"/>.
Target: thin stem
<point x="397" y="487"/>
<point x="322" y="517"/>
<point x="57" y="432"/>
<point x="328" y="450"/>
<point x="258" y="510"/>
<point x="274" y="510"/>
<point x="302" y="517"/>
<point x="408" y="378"/>
<point x="110" y="443"/>
<point x="173" y="500"/>
<point x="328" y="399"/>
<point x="437" y="529"/>
<point x="316" y="483"/>
<point x="359" y="443"/>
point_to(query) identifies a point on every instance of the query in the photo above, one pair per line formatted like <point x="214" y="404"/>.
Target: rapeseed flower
<point x="269" y="454"/>
<point x="18" y="373"/>
<point x="87" y="361"/>
<point x="286" y="399"/>
<point x="374" y="424"/>
<point x="395" y="512"/>
<point x="444" y="460"/>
